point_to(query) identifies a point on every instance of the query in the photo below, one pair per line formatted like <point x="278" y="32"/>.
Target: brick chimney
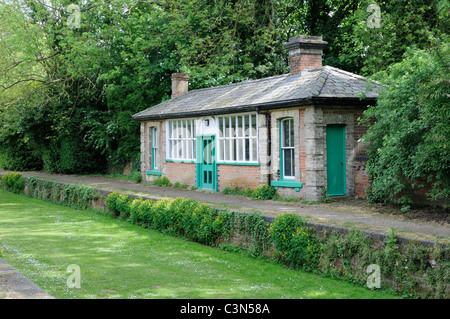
<point x="180" y="83"/>
<point x="305" y="52"/>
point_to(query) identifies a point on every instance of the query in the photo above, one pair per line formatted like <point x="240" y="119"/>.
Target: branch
<point x="25" y="80"/>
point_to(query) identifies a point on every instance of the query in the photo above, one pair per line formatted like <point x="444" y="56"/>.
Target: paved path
<point x="13" y="285"/>
<point x="328" y="214"/>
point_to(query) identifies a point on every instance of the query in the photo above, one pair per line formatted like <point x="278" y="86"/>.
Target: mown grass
<point x="121" y="260"/>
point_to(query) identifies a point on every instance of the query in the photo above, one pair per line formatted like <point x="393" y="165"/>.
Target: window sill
<point x="239" y="163"/>
<point x="153" y="172"/>
<point x="287" y="183"/>
<point x="179" y="161"/>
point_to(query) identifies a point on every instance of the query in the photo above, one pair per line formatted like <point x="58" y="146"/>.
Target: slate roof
<point x="324" y="85"/>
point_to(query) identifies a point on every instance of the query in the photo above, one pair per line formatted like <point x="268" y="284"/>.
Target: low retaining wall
<point x="410" y="267"/>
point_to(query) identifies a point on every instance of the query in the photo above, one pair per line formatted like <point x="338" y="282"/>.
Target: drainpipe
<point x="269" y="139"/>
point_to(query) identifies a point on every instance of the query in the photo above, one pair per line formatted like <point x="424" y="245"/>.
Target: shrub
<point x="264" y="192"/>
<point x="111" y="200"/>
<point x="123" y="205"/>
<point x="13" y="182"/>
<point x="162" y="181"/>
<point x="296" y="243"/>
<point x="135" y="211"/>
<point x="73" y="195"/>
<point x="145" y="213"/>
<point x="136" y="176"/>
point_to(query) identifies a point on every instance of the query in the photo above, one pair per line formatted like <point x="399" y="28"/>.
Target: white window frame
<point x="180" y="140"/>
<point x="232" y="140"/>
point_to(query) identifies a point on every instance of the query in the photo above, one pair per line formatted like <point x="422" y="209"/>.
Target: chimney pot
<point x="305" y="52"/>
<point x="180" y="84"/>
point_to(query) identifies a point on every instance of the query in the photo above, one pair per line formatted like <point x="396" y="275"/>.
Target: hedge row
<point x="77" y="196"/>
<point x="196" y="221"/>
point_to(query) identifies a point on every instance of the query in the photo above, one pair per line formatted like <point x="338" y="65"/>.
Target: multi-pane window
<point x="238" y="138"/>
<point x="154" y="155"/>
<point x="181" y="140"/>
<point x="287" y="148"/>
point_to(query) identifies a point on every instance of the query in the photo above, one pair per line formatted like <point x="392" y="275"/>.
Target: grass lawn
<point x="121" y="260"/>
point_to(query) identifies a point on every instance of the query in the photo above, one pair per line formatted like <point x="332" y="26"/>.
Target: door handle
<point x="341" y="163"/>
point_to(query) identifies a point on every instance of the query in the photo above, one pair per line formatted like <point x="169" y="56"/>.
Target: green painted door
<point x="206" y="163"/>
<point x="336" y="183"/>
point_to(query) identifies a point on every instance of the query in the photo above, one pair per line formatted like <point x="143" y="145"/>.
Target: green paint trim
<point x="238" y="163"/>
<point x="199" y="163"/>
<point x="286" y="183"/>
<point x="180" y="161"/>
<point x="152" y="131"/>
<point x="153" y="172"/>
<point x="336" y="175"/>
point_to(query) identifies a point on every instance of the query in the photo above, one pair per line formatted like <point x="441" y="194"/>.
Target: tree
<point x="409" y="140"/>
<point x="403" y="24"/>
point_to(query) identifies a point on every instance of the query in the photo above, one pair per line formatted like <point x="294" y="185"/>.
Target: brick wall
<point x="299" y="63"/>
<point x="245" y="176"/>
<point x="361" y="182"/>
<point x="183" y="173"/>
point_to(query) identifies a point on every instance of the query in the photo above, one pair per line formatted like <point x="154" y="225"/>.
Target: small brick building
<point x="298" y="132"/>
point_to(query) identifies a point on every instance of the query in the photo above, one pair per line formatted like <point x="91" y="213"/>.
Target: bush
<point x="111" y="202"/>
<point x="119" y="204"/>
<point x="264" y="192"/>
<point x="196" y="221"/>
<point x="73" y="195"/>
<point x="162" y="181"/>
<point x="13" y="182"/>
<point x="296" y="243"/>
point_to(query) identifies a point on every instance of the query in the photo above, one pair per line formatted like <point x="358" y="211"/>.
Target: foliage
<point x="162" y="181"/>
<point x="295" y="241"/>
<point x="78" y="196"/>
<point x="408" y="138"/>
<point x="196" y="221"/>
<point x="179" y="185"/>
<point x="403" y="25"/>
<point x="13" y="182"/>
<point x="264" y="192"/>
<point x="256" y="229"/>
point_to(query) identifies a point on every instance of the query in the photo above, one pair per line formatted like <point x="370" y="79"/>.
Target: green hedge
<point x="196" y="221"/>
<point x="77" y="196"/>
<point x="13" y="183"/>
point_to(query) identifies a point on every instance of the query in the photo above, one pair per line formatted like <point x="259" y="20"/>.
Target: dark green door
<point x="336" y="183"/>
<point x="206" y="163"/>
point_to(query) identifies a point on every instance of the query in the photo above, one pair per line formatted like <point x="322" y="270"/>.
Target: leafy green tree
<point x="408" y="140"/>
<point x="403" y="24"/>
